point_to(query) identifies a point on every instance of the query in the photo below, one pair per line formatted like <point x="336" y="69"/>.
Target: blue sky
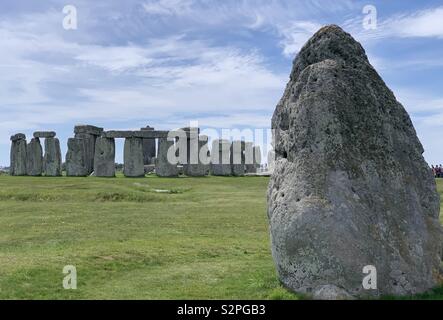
<point x="224" y="63"/>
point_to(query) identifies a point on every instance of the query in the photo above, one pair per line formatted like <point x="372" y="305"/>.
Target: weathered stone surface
<point x="257" y="157"/>
<point x="18" y="136"/>
<point x="88" y="129"/>
<point x="220" y="158"/>
<point x="350" y="186"/>
<point x="250" y="167"/>
<point x="44" y="134"/>
<point x="104" y="159"/>
<point x="163" y="168"/>
<point x="76" y="158"/>
<point x="34" y="158"/>
<point x="198" y="167"/>
<point x="124" y="134"/>
<point x="89" y="141"/>
<point x="238" y="158"/>
<point x="52" y="162"/>
<point x="18" y="155"/>
<point x="149" y="147"/>
<point x="133" y="158"/>
<point x="271" y="160"/>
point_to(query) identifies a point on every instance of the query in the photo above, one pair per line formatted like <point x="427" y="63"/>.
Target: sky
<point x="225" y="64"/>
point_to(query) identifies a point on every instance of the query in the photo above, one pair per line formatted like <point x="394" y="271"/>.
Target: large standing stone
<point x="163" y="167"/>
<point x="271" y="160"/>
<point x="149" y="147"/>
<point x="201" y="167"/>
<point x="133" y="158"/>
<point x="52" y="164"/>
<point x="104" y="160"/>
<point x="76" y="158"/>
<point x="250" y="167"/>
<point x="34" y="158"/>
<point x="350" y="186"/>
<point x="89" y="135"/>
<point x="220" y="158"/>
<point x="238" y="158"/>
<point x="191" y="149"/>
<point x="89" y="141"/>
<point x="18" y="155"/>
<point x="257" y="157"/>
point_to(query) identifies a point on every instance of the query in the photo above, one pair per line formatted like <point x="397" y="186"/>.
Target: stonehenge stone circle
<point x="350" y="187"/>
<point x="52" y="161"/>
<point x="163" y="168"/>
<point x="133" y="158"/>
<point x="149" y="147"/>
<point x="18" y="166"/>
<point x="34" y="158"/>
<point x="237" y="158"/>
<point x="220" y="158"/>
<point x="76" y="158"/>
<point x="104" y="159"/>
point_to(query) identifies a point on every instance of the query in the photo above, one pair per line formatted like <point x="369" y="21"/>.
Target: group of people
<point x="437" y="170"/>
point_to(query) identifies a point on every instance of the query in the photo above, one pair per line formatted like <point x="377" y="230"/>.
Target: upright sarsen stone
<point x="89" y="135"/>
<point x="238" y="158"/>
<point x="53" y="158"/>
<point x="350" y="186"/>
<point x="163" y="167"/>
<point x="76" y="159"/>
<point x="133" y="158"/>
<point x="149" y="147"/>
<point x="18" y="156"/>
<point x="250" y="167"/>
<point x="220" y="158"/>
<point x="104" y="160"/>
<point x="201" y="167"/>
<point x="34" y="158"/>
<point x="257" y="157"/>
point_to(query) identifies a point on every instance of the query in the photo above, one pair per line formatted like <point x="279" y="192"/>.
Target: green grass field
<point x="152" y="238"/>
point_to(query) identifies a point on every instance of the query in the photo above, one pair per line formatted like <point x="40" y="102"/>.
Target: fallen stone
<point x="76" y="158"/>
<point x="44" y="134"/>
<point x="104" y="159"/>
<point x="350" y="187"/>
<point x="133" y="158"/>
<point x="34" y="158"/>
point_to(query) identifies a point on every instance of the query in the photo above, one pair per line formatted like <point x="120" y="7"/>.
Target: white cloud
<point x="426" y="23"/>
<point x="295" y="36"/>
<point x="168" y="7"/>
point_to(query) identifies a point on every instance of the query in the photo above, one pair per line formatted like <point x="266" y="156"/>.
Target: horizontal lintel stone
<point x="44" y="134"/>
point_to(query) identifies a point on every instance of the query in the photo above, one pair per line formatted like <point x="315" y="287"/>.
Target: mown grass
<point x="152" y="238"/>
